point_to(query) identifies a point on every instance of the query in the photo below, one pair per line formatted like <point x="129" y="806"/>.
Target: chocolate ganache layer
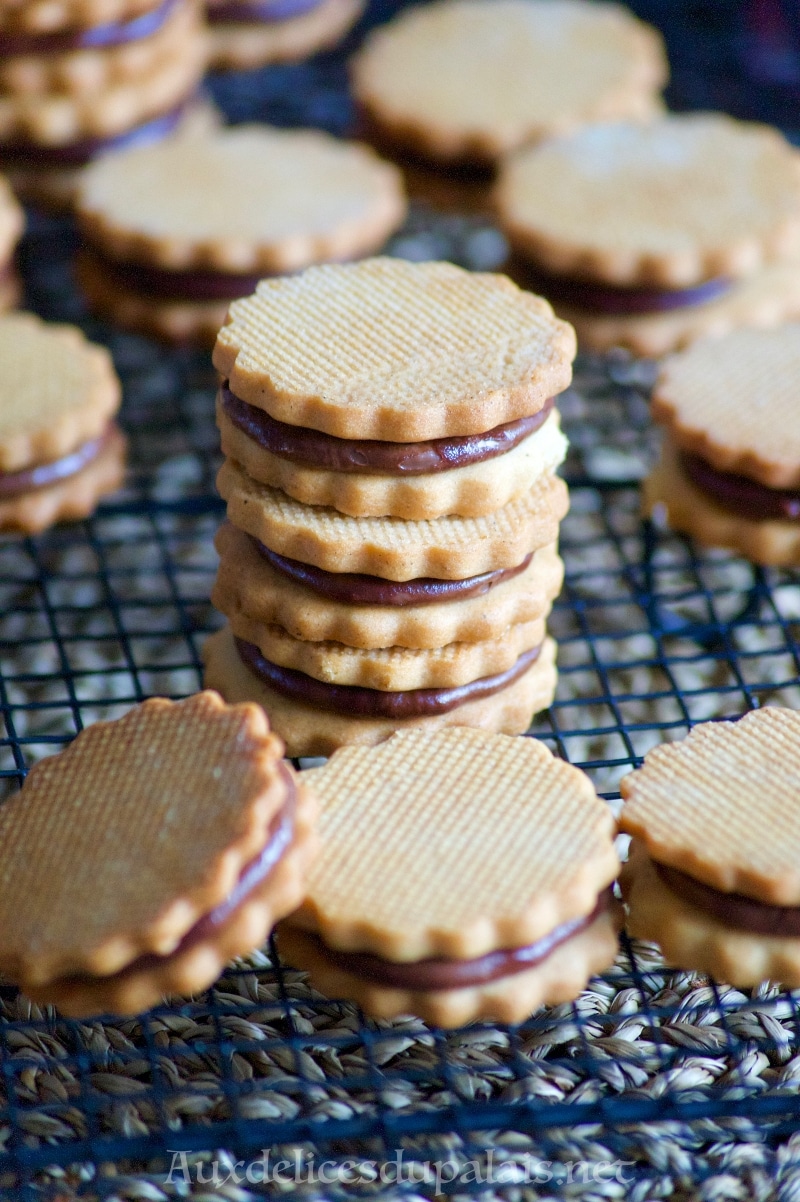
<point x="745" y="497"/>
<point x="245" y="12"/>
<point x="325" y="451"/>
<point x="78" y="154"/>
<point x="445" y="973"/>
<point x="594" y="297"/>
<point x="12" y="484"/>
<point x="62" y="41"/>
<point x="279" y="837"/>
<point x="352" y="588"/>
<point x="358" y="702"/>
<point x="165" y="284"/>
<point x="732" y="909"/>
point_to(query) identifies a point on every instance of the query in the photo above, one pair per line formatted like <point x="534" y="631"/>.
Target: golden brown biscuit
<point x="242" y="45"/>
<point x="416" y="908"/>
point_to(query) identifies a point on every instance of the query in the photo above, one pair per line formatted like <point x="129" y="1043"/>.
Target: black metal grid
<point x="100" y="614"/>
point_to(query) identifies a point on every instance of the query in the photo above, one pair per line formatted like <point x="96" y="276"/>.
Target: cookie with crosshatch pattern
<point x="714" y="870"/>
<point x="729" y="473"/>
<point x="149" y="853"/>
<point x="60" y="451"/>
<point x="484" y="895"/>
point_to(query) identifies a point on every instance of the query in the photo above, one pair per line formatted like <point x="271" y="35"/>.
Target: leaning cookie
<point x="729" y="473"/>
<point x="253" y="33"/>
<point x="60" y="450"/>
<point x="172" y="233"/>
<point x="148" y="854"/>
<point x="485" y="894"/>
<point x="713" y="874"/>
<point x="615" y="225"/>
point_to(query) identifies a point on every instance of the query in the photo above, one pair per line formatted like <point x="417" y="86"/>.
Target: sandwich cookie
<point x="173" y="232"/>
<point x="147" y="855"/>
<point x="60" y="451"/>
<point x="729" y="473"/>
<point x="485" y="894"/>
<point x="467" y="81"/>
<point x="713" y="871"/>
<point x="253" y="33"/>
<point x="646" y="236"/>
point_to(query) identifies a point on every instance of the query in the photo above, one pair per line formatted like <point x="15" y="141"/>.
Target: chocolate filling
<point x="245" y="12"/>
<point x="742" y="496"/>
<point x="358" y="702"/>
<point x="61" y="41"/>
<point x="165" y="284"/>
<point x="355" y="589"/>
<point x="279" y="836"/>
<point x="77" y="154"/>
<point x="445" y="973"/>
<point x="732" y="909"/>
<point x="595" y="297"/>
<point x="302" y="445"/>
<point x="12" y="484"/>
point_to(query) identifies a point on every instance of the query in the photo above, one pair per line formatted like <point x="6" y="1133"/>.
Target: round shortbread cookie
<point x="496" y="844"/>
<point x="692" y="938"/>
<point x="310" y="731"/>
<point x="98" y="70"/>
<point x="395" y="351"/>
<point x="245" y="200"/>
<point x="51" y="16"/>
<point x="57" y="390"/>
<point x="470" y="80"/>
<point x="70" y="499"/>
<point x="733" y="401"/>
<point x="680" y="200"/>
<point x="715" y="805"/>
<point x="240" y="46"/>
<point x="767" y="297"/>
<point x="470" y="491"/>
<point x="61" y="120"/>
<point x="672" y="498"/>
<point x="559" y="978"/>
<point x="391" y="669"/>
<point x="446" y="548"/>
<point x="246" y="584"/>
<point x="96" y="870"/>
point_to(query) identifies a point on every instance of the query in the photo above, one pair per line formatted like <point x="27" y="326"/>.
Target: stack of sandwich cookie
<point x="647" y="236"/>
<point x="59" y="448"/>
<point x="391" y="446"/>
<point x="252" y="33"/>
<point x="12" y="223"/>
<point x="729" y="473"/>
<point x="173" y="232"/>
<point x="713" y="871"/>
<point x="147" y="855"/>
<point x="78" y="79"/>
<point x="485" y="894"/>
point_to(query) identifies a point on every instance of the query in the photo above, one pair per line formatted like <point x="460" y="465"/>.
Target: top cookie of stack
<point x="78" y="77"/>
<point x="391" y="447"/>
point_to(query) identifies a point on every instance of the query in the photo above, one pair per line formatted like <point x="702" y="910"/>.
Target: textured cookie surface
<point x="392" y="350"/>
<point x="120" y="843"/>
<point x="243" y="45"/>
<point x="47" y="16"/>
<point x="449" y="548"/>
<point x="469" y="79"/>
<point x="310" y="731"/>
<point x="247" y="199"/>
<point x="717" y="805"/>
<point x="56" y="390"/>
<point x="680" y="200"/>
<point x="672" y="498"/>
<point x="495" y="844"/>
<point x="248" y="585"/>
<point x="734" y="401"/>
<point x="767" y="297"/>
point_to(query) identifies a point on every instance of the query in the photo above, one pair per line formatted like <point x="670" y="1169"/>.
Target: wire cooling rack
<point x="655" y="1083"/>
